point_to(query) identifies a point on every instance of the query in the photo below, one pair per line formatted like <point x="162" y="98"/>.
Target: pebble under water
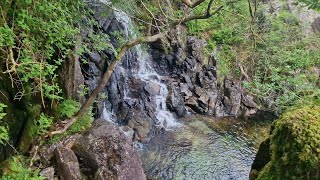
<point x="204" y="148"/>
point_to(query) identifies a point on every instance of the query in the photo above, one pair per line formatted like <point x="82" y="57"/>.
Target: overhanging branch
<point x="209" y="13"/>
<point x="191" y="4"/>
<point x="147" y="39"/>
<point x="105" y="78"/>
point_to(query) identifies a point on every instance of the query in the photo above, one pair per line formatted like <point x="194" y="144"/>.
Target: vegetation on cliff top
<point x="267" y="49"/>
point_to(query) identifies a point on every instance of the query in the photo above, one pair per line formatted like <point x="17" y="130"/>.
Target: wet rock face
<point x="175" y="100"/>
<point x="101" y="153"/>
<point x="194" y="86"/>
<point x="130" y="99"/>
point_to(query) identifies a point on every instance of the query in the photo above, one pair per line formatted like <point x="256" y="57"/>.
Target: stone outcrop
<point x="48" y="173"/>
<point x="195" y="87"/>
<point x="67" y="163"/>
<point x="108" y="152"/>
<point x="72" y="79"/>
<point x="101" y="153"/>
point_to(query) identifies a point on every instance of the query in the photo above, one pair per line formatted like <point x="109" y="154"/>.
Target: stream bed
<point x="204" y="148"/>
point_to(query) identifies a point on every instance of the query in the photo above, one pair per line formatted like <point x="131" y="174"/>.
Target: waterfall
<point x="144" y="72"/>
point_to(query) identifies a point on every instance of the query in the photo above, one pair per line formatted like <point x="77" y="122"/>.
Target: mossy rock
<point x="295" y="146"/>
<point x="30" y="131"/>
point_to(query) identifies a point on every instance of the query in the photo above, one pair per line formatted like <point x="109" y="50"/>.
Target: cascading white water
<point x="107" y="115"/>
<point x="147" y="74"/>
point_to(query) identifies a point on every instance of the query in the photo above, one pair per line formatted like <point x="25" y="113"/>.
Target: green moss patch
<point x="295" y="145"/>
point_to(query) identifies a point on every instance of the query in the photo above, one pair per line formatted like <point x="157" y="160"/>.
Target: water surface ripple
<point x="204" y="149"/>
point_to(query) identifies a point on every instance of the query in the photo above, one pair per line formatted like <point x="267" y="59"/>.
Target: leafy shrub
<point x="283" y="61"/>
<point x="313" y="4"/>
<point x="4" y="135"/>
<point x="44" y="123"/>
<point x="2" y="114"/>
<point x="67" y="109"/>
<point x="36" y="37"/>
<point x="83" y="123"/>
<point x="17" y="169"/>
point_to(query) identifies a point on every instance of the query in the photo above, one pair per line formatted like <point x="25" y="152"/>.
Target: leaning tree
<point x="169" y="15"/>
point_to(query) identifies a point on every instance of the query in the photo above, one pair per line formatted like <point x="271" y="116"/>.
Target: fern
<point x="4" y="135"/>
<point x="18" y="170"/>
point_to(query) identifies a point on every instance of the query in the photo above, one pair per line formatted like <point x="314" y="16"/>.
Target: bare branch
<point x="153" y="17"/>
<point x="205" y="16"/>
<point x="191" y="4"/>
<point x="208" y="14"/>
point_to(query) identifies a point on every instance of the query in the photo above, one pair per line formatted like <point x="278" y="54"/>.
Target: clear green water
<point x="204" y="149"/>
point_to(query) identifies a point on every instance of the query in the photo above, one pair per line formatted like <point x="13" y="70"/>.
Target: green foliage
<point x="83" y="123"/>
<point x="37" y="125"/>
<point x="4" y="135"/>
<point x="313" y="4"/>
<point x="2" y="114"/>
<point x="17" y="169"/>
<point x="31" y="130"/>
<point x="44" y="123"/>
<point x="67" y="109"/>
<point x="41" y="35"/>
<point x="285" y="62"/>
<point x="223" y="32"/>
<point x="295" y="145"/>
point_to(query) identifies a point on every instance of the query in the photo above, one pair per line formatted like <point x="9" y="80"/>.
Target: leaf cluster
<point x="17" y="168"/>
<point x="41" y="35"/>
<point x="4" y="135"/>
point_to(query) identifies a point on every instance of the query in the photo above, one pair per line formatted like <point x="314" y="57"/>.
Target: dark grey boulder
<point x="109" y="153"/>
<point x="67" y="163"/>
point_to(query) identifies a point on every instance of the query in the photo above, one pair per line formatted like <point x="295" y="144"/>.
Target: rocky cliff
<point x="153" y="84"/>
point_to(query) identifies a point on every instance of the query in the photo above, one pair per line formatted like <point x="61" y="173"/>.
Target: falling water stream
<point x="147" y="74"/>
